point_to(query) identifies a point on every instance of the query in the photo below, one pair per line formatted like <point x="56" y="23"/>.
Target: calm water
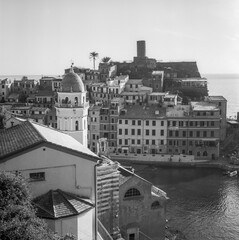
<point x="203" y="203"/>
<point x="226" y="85"/>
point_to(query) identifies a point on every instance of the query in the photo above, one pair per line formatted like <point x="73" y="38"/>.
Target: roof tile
<point x="56" y="204"/>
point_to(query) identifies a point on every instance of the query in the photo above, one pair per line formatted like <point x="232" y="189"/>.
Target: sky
<point x="45" y="36"/>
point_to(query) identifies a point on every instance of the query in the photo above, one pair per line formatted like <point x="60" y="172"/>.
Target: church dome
<point x="72" y="82"/>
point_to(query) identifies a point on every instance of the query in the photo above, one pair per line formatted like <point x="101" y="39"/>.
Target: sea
<point x="226" y="85"/>
<point x="203" y="203"/>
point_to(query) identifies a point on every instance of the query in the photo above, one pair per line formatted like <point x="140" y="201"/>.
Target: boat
<point x="230" y="173"/>
<point x="233" y="173"/>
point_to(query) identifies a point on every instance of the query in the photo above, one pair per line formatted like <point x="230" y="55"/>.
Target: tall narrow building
<point x="72" y="107"/>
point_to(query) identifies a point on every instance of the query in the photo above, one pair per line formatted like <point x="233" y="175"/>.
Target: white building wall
<point x="64" y="171"/>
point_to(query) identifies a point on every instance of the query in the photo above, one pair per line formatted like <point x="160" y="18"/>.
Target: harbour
<point x="203" y="202"/>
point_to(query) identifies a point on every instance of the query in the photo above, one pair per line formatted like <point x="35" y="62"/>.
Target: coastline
<point x="221" y="163"/>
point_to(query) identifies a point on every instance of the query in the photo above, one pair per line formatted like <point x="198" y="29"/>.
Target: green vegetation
<point x="18" y="220"/>
<point x="94" y="56"/>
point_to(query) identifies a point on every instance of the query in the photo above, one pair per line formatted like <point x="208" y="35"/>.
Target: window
<point x="132" y="131"/>
<point x="126" y="121"/>
<point x="212" y="123"/>
<point x="204" y="133"/>
<point x="77" y="126"/>
<point x="184" y="143"/>
<point x="133" y="122"/>
<point x="155" y="205"/>
<point x="153" y="142"/>
<point x="161" y="142"/>
<point x="154" y="123"/>
<point x="147" y="132"/>
<point x="170" y="133"/>
<point x="176" y="133"/>
<point x="139" y="131"/>
<point x="132" y="192"/>
<point x="38" y="176"/>
<point x="198" y="133"/>
<point x="120" y="131"/>
<point x="76" y="101"/>
<point x="184" y="133"/>
<point x="138" y="141"/>
<point x="161" y="132"/>
<point x="212" y="113"/>
<point x="120" y="141"/>
<point x="126" y="131"/>
<point x="126" y="141"/>
<point x="153" y="132"/>
<point x="212" y="133"/>
<point x="139" y="122"/>
<point x="120" y="121"/>
<point x="133" y="141"/>
<point x="132" y="236"/>
<point x="147" y="122"/>
<point x="147" y="142"/>
<point x="191" y="133"/>
<point x="162" y="123"/>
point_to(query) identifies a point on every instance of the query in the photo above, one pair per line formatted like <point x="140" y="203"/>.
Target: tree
<point x="94" y="56"/>
<point x="105" y="59"/>
<point x="18" y="220"/>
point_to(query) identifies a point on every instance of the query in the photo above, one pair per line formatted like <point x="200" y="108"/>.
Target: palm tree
<point x="94" y="55"/>
<point x="105" y="59"/>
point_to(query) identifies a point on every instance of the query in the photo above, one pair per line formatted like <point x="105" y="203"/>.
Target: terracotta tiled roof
<point x="19" y="137"/>
<point x="28" y="134"/>
<point x="143" y="112"/>
<point x="46" y="93"/>
<point x="56" y="204"/>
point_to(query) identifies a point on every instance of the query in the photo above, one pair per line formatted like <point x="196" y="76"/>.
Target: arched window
<point x="198" y="154"/>
<point x="205" y="153"/>
<point x="77" y="125"/>
<point x="66" y="100"/>
<point x="155" y="205"/>
<point x="76" y="100"/>
<point x="132" y="192"/>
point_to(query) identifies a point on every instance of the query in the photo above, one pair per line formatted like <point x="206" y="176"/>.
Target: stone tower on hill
<point x="72" y="107"/>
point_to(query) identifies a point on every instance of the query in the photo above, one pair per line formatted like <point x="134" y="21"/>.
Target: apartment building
<point x="5" y="85"/>
<point x="142" y="129"/>
<point x="105" y="92"/>
<point x="194" y="130"/>
<point x="93" y="127"/>
<point x="221" y="103"/>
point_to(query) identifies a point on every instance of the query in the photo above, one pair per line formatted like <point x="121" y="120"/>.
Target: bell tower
<point x="72" y="107"/>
